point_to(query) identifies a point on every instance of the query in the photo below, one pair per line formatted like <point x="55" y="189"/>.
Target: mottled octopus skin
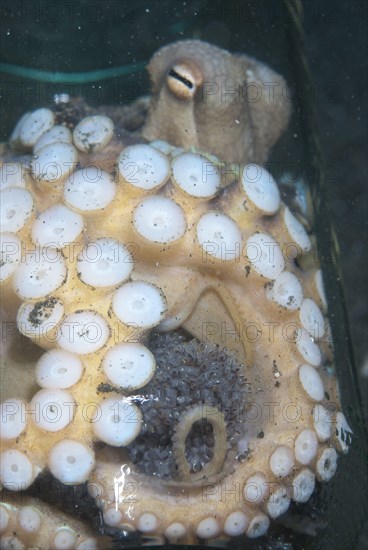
<point x="224" y="301"/>
<point x="221" y="115"/>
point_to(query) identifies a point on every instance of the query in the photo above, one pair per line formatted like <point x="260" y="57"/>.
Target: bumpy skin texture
<point x="237" y="110"/>
<point x="223" y="300"/>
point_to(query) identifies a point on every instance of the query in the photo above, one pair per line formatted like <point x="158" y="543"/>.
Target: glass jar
<point x="111" y="43"/>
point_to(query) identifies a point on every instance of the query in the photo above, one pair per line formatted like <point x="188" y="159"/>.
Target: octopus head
<point x="203" y="97"/>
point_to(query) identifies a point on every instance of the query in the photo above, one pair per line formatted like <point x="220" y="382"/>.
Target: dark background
<point x="336" y="47"/>
<point x="86" y="35"/>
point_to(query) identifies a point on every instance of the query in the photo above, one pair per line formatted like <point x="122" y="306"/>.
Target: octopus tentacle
<point x="27" y="523"/>
<point x="185" y="308"/>
<point x="96" y="259"/>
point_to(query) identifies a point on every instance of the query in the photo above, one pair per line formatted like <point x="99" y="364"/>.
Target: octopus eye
<point x="183" y="79"/>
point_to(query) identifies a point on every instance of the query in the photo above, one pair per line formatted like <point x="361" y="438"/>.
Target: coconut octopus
<point x="186" y="373"/>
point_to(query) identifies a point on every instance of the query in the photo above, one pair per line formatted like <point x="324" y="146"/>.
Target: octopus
<point x="170" y="352"/>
